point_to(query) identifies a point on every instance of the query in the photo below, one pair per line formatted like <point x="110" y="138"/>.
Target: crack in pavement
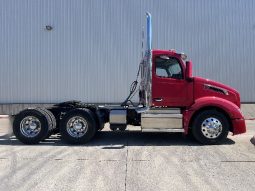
<point x="59" y="159"/>
<point x="126" y="161"/>
<point x="238" y="161"/>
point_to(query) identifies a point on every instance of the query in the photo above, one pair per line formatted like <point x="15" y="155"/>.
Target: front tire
<point x="210" y="127"/>
<point x="78" y="126"/>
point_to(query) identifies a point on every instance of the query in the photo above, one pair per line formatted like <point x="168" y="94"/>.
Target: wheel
<point x="77" y="126"/>
<point x="31" y="126"/>
<point x="51" y="117"/>
<point x="210" y="127"/>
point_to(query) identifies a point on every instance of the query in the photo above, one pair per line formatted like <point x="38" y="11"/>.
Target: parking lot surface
<point x="129" y="161"/>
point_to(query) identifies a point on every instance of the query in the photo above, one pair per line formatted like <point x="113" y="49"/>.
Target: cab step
<point x="163" y="130"/>
<point x="166" y="120"/>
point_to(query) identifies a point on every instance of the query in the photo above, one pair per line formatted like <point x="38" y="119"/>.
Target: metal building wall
<point x="94" y="49"/>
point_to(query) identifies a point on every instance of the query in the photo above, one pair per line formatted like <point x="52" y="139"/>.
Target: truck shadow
<point x="119" y="140"/>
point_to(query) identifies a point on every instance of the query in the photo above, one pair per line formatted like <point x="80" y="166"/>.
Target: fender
<point x="230" y="108"/>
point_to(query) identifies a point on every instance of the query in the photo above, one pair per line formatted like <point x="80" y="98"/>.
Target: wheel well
<point x="211" y="108"/>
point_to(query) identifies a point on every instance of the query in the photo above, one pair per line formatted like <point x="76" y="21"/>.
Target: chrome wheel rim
<point x="211" y="128"/>
<point x="77" y="126"/>
<point x="30" y="126"/>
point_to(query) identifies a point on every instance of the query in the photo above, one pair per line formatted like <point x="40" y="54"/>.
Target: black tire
<point x="199" y="125"/>
<point x="51" y="117"/>
<point x="91" y="128"/>
<point x="44" y="120"/>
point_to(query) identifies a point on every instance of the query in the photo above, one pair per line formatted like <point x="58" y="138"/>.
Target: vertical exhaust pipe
<point x="148" y="88"/>
<point x="149" y="32"/>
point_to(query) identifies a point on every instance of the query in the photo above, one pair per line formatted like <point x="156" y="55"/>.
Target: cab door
<point x="169" y="87"/>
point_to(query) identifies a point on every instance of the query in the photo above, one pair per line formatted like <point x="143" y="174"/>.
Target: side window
<point x="161" y="72"/>
<point x="168" y="67"/>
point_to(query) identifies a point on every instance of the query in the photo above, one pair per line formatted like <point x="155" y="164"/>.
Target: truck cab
<point x="205" y="108"/>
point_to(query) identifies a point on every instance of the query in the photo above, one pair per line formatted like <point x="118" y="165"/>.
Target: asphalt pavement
<point x="131" y="160"/>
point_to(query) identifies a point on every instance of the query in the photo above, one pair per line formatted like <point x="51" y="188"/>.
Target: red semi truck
<point x="170" y="100"/>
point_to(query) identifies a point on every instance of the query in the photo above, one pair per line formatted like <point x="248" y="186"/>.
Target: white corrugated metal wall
<point x="93" y="51"/>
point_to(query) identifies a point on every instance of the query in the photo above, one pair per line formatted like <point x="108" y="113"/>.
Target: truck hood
<point x="205" y="87"/>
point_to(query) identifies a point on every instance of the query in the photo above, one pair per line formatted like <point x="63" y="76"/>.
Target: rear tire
<point x="78" y="126"/>
<point x="210" y="127"/>
<point x="31" y="126"/>
<point x="51" y="118"/>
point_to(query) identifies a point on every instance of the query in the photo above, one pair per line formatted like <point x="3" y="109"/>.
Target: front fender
<point x="232" y="110"/>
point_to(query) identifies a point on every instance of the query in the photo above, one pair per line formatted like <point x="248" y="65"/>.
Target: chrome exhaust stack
<point x="146" y="66"/>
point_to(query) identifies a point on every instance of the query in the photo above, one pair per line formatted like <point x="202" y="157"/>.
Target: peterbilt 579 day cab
<point x="170" y="100"/>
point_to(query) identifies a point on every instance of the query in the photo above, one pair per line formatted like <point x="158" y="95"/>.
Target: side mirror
<point x="188" y="72"/>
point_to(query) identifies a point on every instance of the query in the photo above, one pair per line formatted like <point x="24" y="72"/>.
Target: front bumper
<point x="238" y="126"/>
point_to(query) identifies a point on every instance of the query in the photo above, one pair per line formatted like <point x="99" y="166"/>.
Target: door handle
<point x="158" y="99"/>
